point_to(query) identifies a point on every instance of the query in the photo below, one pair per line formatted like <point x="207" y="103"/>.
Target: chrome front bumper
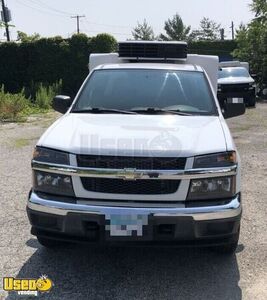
<point x="215" y="212"/>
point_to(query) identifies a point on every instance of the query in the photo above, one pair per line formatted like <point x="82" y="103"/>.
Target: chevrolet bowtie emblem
<point x="130" y="174"/>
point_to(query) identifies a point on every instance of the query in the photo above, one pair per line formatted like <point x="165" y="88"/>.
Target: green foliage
<point x="48" y="60"/>
<point x="3" y="25"/>
<point x="24" y="37"/>
<point x="45" y="94"/>
<point x="259" y="7"/>
<point x="44" y="97"/>
<point x="103" y="43"/>
<point x="221" y="48"/>
<point x="252" y="41"/>
<point x="143" y="32"/>
<point x="12" y="105"/>
<point x="175" y="29"/>
<point x="209" y="30"/>
<point x="15" y="107"/>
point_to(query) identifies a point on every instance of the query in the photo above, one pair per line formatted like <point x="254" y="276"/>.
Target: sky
<point x="119" y="17"/>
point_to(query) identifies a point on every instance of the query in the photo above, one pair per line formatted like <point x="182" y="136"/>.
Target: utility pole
<point x="222" y="34"/>
<point x="233" y="30"/>
<point x="78" y="21"/>
<point x="5" y="17"/>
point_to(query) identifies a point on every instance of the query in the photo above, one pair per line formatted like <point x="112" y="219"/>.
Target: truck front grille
<point x="138" y="187"/>
<point x="122" y="162"/>
<point x="228" y="88"/>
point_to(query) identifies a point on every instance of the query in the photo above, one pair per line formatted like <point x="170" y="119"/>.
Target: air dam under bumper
<point x="201" y="225"/>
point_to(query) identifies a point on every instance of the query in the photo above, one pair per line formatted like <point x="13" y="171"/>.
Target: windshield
<point x="140" y="89"/>
<point x="233" y="72"/>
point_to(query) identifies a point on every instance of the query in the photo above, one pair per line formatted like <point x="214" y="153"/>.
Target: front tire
<point x="49" y="243"/>
<point x="228" y="249"/>
<point x="251" y="102"/>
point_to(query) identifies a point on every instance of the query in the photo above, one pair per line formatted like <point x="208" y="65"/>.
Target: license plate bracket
<point x="126" y="226"/>
<point x="235" y="100"/>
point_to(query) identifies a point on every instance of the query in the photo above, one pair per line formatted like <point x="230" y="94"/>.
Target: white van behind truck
<point x="142" y="155"/>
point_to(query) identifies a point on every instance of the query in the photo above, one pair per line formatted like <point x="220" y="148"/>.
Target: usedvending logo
<point x="32" y="286"/>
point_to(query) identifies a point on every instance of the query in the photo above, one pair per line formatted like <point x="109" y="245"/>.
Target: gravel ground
<point x="135" y="273"/>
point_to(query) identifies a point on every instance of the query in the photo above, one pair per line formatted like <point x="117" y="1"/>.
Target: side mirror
<point x="255" y="76"/>
<point x="231" y="110"/>
<point x="61" y="103"/>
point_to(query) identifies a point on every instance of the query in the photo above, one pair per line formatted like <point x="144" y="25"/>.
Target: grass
<point x="20" y="143"/>
<point x="44" y="94"/>
<point x="23" y="142"/>
<point x="12" y="105"/>
<point x="17" y="107"/>
<point x="22" y="117"/>
<point x="244" y="127"/>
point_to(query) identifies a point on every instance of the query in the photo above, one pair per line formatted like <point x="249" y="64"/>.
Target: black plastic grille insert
<point x="122" y="162"/>
<point x="138" y="187"/>
<point x="235" y="87"/>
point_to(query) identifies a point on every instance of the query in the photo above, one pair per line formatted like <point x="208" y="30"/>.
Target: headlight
<point x="51" y="156"/>
<point x="52" y="183"/>
<point x="224" y="159"/>
<point x="212" y="188"/>
<point x="48" y="182"/>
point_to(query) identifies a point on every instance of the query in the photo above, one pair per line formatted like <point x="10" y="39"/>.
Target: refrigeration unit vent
<point x="146" y="50"/>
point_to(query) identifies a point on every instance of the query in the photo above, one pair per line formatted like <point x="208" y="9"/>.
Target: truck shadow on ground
<point x="82" y="272"/>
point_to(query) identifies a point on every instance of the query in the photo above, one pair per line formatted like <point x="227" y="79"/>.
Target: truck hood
<point x="139" y="135"/>
<point x="235" y="80"/>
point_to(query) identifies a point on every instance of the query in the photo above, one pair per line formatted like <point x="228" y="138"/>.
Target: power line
<point x="46" y="6"/>
<point x="47" y="9"/>
<point x="107" y="25"/>
<point x="114" y="33"/>
<point x="77" y="17"/>
<point x="41" y="10"/>
<point x="117" y="26"/>
<point x="85" y="28"/>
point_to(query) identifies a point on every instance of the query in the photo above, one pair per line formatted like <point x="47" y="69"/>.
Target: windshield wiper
<point x="100" y="110"/>
<point x="151" y="110"/>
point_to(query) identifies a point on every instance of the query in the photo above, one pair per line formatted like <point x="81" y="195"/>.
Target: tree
<point x="209" y="31"/>
<point x="252" y="41"/>
<point x="242" y="52"/>
<point x="103" y="43"/>
<point x="143" y="32"/>
<point x="24" y="37"/>
<point x="175" y="29"/>
<point x="259" y="7"/>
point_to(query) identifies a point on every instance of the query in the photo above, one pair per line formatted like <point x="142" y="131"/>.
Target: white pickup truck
<point x="142" y="155"/>
<point x="236" y="84"/>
